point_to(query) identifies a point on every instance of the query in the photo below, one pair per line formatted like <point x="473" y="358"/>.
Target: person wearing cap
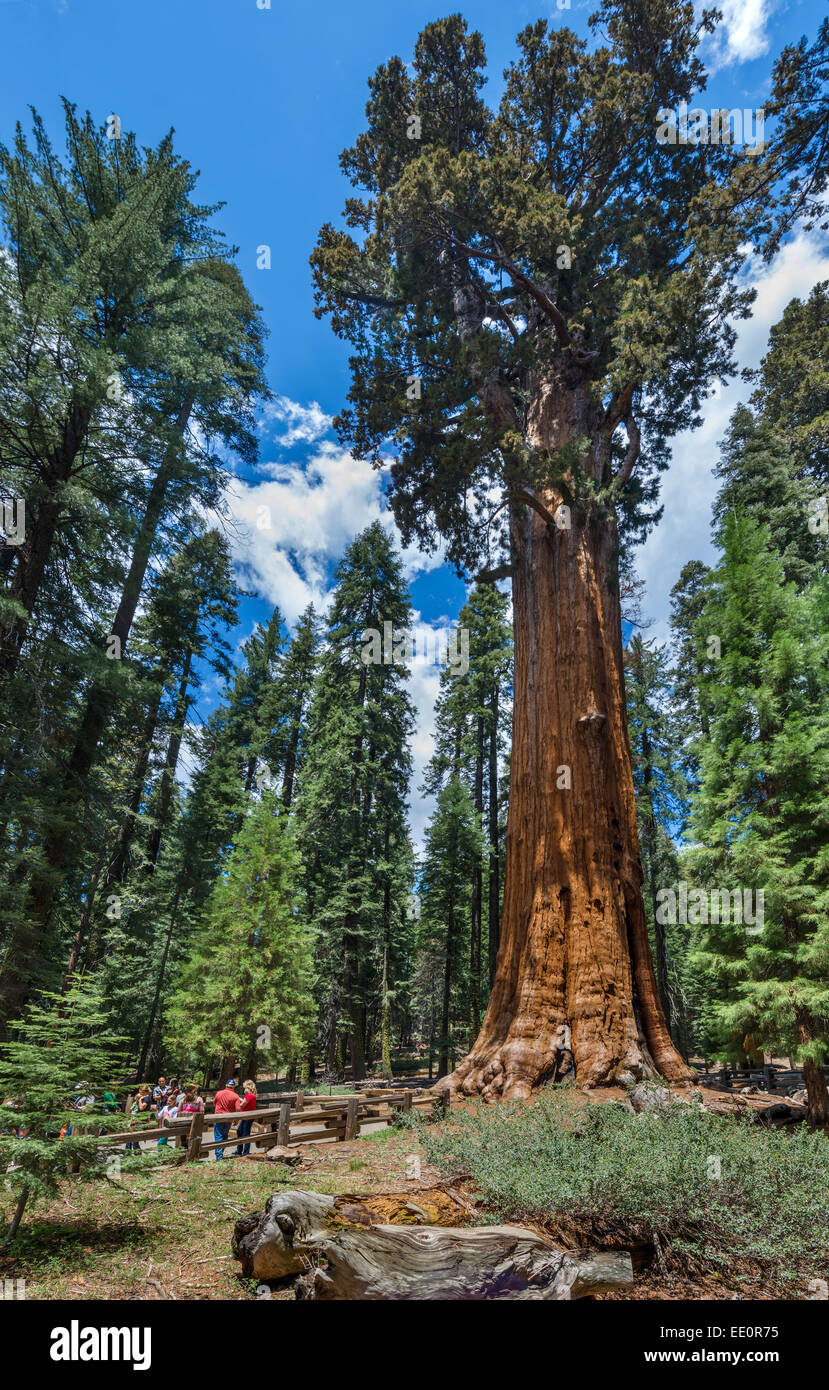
<point x="225" y="1103"/>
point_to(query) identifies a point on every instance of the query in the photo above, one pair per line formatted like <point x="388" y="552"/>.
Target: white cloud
<point x="297" y="521"/>
<point x="689" y="487"/>
<point x="306" y="423"/>
<point x="743" y="33"/>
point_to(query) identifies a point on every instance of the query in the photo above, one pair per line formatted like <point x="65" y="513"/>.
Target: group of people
<point x="227" y="1102"/>
<point x="170" y="1101"/>
<point x="83" y="1097"/>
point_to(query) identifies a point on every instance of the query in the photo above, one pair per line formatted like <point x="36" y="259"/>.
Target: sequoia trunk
<point x="574" y="987"/>
<point x="818" y="1095"/>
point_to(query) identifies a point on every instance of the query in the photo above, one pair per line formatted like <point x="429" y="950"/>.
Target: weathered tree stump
<point x="280" y="1241"/>
<point x="387" y="1262"/>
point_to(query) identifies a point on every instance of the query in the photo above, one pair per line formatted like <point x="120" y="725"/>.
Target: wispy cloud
<point x="689" y="487"/>
<point x="305" y="423"/>
<point x="294" y="524"/>
<point x="743" y="33"/>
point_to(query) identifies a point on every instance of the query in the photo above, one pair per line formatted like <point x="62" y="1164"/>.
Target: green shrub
<point x="602" y="1171"/>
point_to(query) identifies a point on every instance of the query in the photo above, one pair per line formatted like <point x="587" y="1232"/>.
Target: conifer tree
<point x="759" y="479"/>
<point x="131" y="356"/>
<point x="762" y="812"/>
<point x="352" y="812"/>
<point x="452" y="855"/>
<point x="792" y="384"/>
<point x="245" y="989"/>
<point x="658" y="781"/>
<point x="282" y="734"/>
<point x="688" y="711"/>
<point x="536" y="297"/>
<point x="62" y="1041"/>
<point x="471" y="729"/>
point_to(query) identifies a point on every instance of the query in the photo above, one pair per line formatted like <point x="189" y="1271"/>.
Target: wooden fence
<point x="336" y="1117"/>
<point x="773" y="1079"/>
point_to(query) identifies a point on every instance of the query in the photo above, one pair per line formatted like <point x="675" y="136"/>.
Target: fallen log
<point x="457" y="1265"/>
<point x="281" y="1240"/>
<point x="297" y="1234"/>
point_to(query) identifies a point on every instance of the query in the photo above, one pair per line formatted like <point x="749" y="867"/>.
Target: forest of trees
<point x="627" y="859"/>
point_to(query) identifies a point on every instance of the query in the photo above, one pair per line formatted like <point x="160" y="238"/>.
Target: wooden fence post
<point x="444" y="1103"/>
<point x="194" y="1137"/>
<point x="407" y="1101"/>
<point x="283" y="1129"/>
<point x="351" y="1117"/>
<point x="300" y="1100"/>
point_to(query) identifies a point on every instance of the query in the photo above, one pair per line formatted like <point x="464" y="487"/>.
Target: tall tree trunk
<point x="817" y="1093"/>
<point x="816" y="1089"/>
<point x="494" y="849"/>
<point x="118" y="858"/>
<point x="574" y="965"/>
<point x="357" y="1038"/>
<point x="162" y="969"/>
<point x="477" y="893"/>
<point x="385" y="1020"/>
<point x="165" y="791"/>
<point x="34" y="554"/>
<point x="446" y="1004"/>
<point x="658" y="927"/>
<point x="289" y="771"/>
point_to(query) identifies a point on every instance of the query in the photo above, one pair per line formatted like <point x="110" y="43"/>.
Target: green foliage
<point x="62" y="1040"/>
<point x="661" y="802"/>
<point x="452" y="850"/>
<point x="451" y="270"/>
<point x="759" y="479"/>
<point x="761" y="816"/>
<point x="600" y="1170"/>
<point x="245" y="989"/>
<point x="792" y="384"/>
<point x="130" y="359"/>
<point x="352" y="810"/>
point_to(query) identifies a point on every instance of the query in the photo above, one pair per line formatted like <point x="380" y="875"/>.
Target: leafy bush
<point x="690" y="1183"/>
<point x="403" y="1066"/>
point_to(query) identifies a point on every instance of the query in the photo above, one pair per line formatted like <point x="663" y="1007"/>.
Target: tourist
<point x="160" y="1092"/>
<point x="225" y="1103"/>
<point x="191" y="1100"/>
<point x="166" y="1115"/>
<point x="248" y="1102"/>
<point x="142" y="1102"/>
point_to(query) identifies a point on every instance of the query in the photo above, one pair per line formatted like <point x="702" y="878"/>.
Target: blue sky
<point x="262" y="101"/>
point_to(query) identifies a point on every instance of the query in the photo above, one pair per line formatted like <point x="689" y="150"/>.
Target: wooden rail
<point x="338" y="1117"/>
<point x="770" y="1078"/>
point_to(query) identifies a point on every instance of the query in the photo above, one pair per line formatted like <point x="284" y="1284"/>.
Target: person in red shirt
<point x="248" y="1102"/>
<point x="225" y="1103"/>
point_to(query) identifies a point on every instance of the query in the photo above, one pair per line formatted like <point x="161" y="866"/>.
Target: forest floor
<point x="165" y="1232"/>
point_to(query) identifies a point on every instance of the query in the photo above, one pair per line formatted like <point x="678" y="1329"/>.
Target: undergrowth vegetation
<point x="701" y="1190"/>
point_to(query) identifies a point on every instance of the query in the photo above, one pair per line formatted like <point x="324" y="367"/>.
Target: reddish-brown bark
<point x="575" y="990"/>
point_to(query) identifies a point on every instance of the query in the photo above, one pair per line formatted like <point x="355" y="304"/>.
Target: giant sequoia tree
<point x="537" y="297"/>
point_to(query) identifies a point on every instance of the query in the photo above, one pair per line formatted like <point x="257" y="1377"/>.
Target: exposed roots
<point x="512" y="1070"/>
